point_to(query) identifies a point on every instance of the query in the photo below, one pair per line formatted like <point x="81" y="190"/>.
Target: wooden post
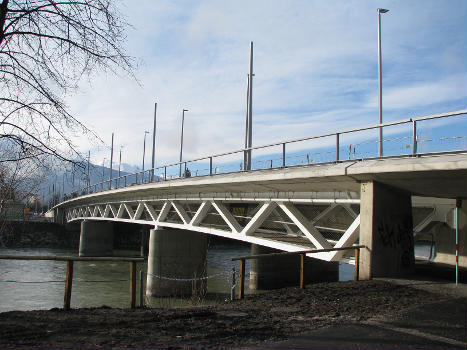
<point x="68" y="285"/>
<point x="132" y="284"/>
<point x="302" y="267"/>
<point x="241" y="280"/>
<point x="357" y="263"/>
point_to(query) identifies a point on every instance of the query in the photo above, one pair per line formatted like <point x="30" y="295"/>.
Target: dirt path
<point x="275" y="315"/>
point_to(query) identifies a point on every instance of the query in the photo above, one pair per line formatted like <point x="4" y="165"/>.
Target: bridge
<point x="288" y="205"/>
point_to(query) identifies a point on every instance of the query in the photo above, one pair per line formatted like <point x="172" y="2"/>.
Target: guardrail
<point x="302" y="253"/>
<point x="282" y="160"/>
<point x="69" y="271"/>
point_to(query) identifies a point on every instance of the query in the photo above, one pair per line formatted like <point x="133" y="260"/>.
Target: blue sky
<point x="315" y="65"/>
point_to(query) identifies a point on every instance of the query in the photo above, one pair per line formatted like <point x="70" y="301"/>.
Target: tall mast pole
<point x="250" y="109"/>
<point x="153" y="144"/>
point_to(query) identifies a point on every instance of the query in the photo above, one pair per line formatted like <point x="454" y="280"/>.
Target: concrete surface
<point x="440" y="325"/>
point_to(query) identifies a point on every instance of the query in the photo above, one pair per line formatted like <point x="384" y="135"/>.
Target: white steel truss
<point x="284" y="225"/>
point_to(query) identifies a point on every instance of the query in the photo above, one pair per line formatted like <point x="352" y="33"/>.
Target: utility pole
<point x="249" y="114"/>
<point x="181" y="143"/>
<point x="153" y="144"/>
<point x="380" y="88"/>
<point x="88" y="179"/>
<point x="111" y="162"/>
<point x="144" y="151"/>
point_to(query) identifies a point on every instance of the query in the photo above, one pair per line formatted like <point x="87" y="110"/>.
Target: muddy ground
<point x="275" y="315"/>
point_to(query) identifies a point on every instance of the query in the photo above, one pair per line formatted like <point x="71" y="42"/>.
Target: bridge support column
<point x="284" y="271"/>
<point x="96" y="239"/>
<point x="386" y="230"/>
<point x="176" y="254"/>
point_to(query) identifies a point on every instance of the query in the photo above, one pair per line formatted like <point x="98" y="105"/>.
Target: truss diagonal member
<point x="350" y="210"/>
<point x="227" y="216"/>
<point x="181" y="212"/>
<point x="129" y="210"/>
<point x="164" y="211"/>
<point x="285" y="225"/>
<point x="139" y="211"/>
<point x="349" y="237"/>
<point x="111" y="209"/>
<point x="323" y="213"/>
<point x="121" y="211"/>
<point x="151" y="211"/>
<point x="304" y="225"/>
<point x="424" y="223"/>
<point x="261" y="215"/>
<point x="201" y="213"/>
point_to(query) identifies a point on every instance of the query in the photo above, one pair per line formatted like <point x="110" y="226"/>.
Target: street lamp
<point x="144" y="151"/>
<point x="181" y="143"/>
<point x="380" y="91"/>
<point x="119" y="166"/>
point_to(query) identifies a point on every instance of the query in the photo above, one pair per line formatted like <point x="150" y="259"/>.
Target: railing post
<point x="68" y="285"/>
<point x="141" y="285"/>
<point x="357" y="263"/>
<point x="165" y="173"/>
<point x="210" y="165"/>
<point x="337" y="147"/>
<point x="302" y="267"/>
<point x="283" y="155"/>
<point x="414" y="137"/>
<point x="132" y="284"/>
<point x="241" y="280"/>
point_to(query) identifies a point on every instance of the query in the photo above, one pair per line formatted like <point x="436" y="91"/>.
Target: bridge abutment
<point x="386" y="230"/>
<point x="174" y="257"/>
<point x="96" y="238"/>
<point x="284" y="271"/>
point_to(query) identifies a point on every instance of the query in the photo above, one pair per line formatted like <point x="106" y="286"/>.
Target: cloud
<point x="315" y="65"/>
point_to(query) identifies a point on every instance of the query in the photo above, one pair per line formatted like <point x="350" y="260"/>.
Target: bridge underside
<point x="289" y="209"/>
<point x="291" y="225"/>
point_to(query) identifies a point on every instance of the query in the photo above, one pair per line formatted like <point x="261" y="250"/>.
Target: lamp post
<point x="119" y="166"/>
<point x="144" y="152"/>
<point x="181" y="143"/>
<point x="153" y="158"/>
<point x="380" y="90"/>
<point x="102" y="184"/>
<point x="111" y="162"/>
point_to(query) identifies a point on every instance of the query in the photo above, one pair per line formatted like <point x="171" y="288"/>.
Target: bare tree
<point x="46" y="47"/>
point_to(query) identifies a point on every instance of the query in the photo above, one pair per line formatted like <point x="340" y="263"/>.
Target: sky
<point x="315" y="66"/>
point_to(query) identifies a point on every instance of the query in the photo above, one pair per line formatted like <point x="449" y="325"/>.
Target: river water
<point x="36" y="284"/>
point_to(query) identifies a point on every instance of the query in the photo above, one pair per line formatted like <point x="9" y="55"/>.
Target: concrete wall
<point x="96" y="238"/>
<point x="284" y="271"/>
<point x="386" y="229"/>
<point x="445" y="239"/>
<point x="176" y="254"/>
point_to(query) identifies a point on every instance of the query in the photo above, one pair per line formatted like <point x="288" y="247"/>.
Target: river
<point x="34" y="285"/>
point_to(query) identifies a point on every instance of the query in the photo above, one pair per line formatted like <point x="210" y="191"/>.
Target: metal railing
<point x="367" y="149"/>
<point x="302" y="254"/>
<point x="69" y="271"/>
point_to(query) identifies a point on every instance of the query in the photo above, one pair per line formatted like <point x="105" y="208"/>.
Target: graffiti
<point x="397" y="234"/>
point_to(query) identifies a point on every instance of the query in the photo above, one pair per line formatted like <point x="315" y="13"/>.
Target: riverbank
<point x="273" y="316"/>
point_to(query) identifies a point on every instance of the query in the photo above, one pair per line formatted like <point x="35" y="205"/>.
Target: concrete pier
<point x="176" y="254"/>
<point x="284" y="271"/>
<point x="96" y="238"/>
<point x="386" y="229"/>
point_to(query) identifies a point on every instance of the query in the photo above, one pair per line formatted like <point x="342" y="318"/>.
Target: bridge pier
<point x="386" y="230"/>
<point x="96" y="238"/>
<point x="176" y="254"/>
<point x="284" y="271"/>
